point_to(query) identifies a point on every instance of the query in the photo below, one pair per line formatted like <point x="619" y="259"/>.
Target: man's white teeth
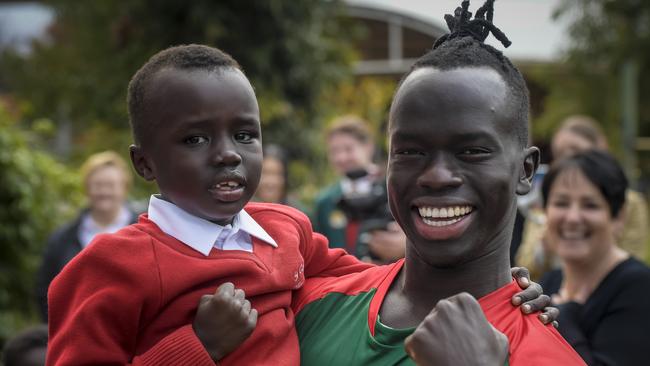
<point x="441" y="222"/>
<point x="444" y="212"/>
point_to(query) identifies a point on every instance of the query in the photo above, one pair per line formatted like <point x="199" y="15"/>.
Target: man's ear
<point x="140" y="163"/>
<point x="528" y="169"/>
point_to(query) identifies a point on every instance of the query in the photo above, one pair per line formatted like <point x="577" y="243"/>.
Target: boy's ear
<point x="140" y="163"/>
<point x="528" y="169"/>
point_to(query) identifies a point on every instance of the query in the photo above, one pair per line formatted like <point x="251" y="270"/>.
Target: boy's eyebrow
<point x="244" y="120"/>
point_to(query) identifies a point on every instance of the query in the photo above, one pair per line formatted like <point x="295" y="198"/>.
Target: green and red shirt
<point x="338" y="324"/>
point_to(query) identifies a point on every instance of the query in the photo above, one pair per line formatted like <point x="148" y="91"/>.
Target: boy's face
<point x="205" y="146"/>
<point x="455" y="164"/>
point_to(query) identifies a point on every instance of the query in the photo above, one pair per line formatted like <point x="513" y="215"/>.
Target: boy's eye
<point x="243" y="136"/>
<point x="195" y="140"/>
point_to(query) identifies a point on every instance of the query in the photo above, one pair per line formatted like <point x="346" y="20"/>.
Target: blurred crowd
<point x="581" y="231"/>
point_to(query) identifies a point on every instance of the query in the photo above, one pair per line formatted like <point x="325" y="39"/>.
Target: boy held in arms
<point x="131" y="297"/>
<point x="458" y="156"/>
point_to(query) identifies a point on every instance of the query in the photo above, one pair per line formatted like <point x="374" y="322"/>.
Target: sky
<point x="527" y="23"/>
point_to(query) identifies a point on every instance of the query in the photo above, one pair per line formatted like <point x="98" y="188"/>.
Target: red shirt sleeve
<point x="97" y="306"/>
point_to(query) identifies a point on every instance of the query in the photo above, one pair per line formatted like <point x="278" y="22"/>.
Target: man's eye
<point x="243" y="136"/>
<point x="408" y="152"/>
<point x="474" y="151"/>
<point x="195" y="140"/>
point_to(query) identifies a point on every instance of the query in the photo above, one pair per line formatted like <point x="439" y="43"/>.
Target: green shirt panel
<point x="342" y="337"/>
<point x="334" y="331"/>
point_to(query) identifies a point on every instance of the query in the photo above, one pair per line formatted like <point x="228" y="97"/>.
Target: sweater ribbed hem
<point x="182" y="347"/>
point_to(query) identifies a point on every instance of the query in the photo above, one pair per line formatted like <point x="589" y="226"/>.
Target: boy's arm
<point x="320" y="259"/>
<point x="97" y="307"/>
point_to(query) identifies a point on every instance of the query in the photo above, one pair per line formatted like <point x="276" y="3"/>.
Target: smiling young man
<point x="458" y="158"/>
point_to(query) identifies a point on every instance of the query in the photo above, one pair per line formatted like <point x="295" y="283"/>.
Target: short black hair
<point x="464" y="47"/>
<point x="183" y="57"/>
<point x="25" y="341"/>
<point x="602" y="170"/>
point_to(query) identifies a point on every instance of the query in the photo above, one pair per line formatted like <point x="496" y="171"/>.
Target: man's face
<point x="455" y="164"/>
<point x="346" y="153"/>
<point x="205" y="147"/>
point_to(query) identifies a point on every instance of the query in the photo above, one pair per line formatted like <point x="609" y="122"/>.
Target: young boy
<point x="132" y="297"/>
<point x="459" y="155"/>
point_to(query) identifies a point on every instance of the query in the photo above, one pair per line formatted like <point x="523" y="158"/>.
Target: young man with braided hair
<point x="458" y="157"/>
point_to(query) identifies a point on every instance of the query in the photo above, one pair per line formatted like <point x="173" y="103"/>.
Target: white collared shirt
<point x="202" y="235"/>
<point x="89" y="227"/>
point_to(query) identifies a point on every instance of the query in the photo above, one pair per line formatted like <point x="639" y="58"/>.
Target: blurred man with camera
<point x="353" y="213"/>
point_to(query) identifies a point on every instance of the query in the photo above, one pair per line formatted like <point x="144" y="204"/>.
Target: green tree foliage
<point x="291" y="50"/>
<point x="37" y="194"/>
<point x="604" y="34"/>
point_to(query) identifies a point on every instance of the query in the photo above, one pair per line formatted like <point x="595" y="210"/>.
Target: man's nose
<point x="439" y="175"/>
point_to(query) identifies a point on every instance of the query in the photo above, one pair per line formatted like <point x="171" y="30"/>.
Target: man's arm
<point x="456" y="332"/>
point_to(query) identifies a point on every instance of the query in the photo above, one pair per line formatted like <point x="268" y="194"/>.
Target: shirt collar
<point x="198" y="233"/>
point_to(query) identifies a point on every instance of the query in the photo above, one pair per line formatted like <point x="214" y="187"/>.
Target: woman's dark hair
<point x="601" y="169"/>
<point x="278" y="153"/>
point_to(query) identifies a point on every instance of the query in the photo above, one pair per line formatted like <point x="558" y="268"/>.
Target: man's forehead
<point x="462" y="77"/>
<point x="428" y="88"/>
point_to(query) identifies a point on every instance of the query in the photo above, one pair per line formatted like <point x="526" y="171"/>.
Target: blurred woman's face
<point x="580" y="227"/>
<point x="566" y="143"/>
<point x="106" y="189"/>
<point x="346" y="153"/>
<point x="272" y="183"/>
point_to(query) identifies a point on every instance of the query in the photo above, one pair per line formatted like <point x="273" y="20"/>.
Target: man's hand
<point x="388" y="245"/>
<point x="224" y="320"/>
<point x="456" y="332"/>
<point x="532" y="298"/>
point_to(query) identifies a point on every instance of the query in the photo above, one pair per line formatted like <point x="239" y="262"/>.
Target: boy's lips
<point x="228" y="189"/>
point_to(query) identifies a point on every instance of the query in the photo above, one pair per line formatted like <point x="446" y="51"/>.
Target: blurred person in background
<point x="576" y="134"/>
<point x="27" y="348"/>
<point x="274" y="182"/>
<point x="353" y="213"/>
<point x="106" y="180"/>
<point x="601" y="314"/>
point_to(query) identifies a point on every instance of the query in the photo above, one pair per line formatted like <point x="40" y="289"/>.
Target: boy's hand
<point x="456" y="332"/>
<point x="532" y="298"/>
<point x="224" y="320"/>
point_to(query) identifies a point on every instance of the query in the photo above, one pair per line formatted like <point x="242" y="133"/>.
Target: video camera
<point x="368" y="206"/>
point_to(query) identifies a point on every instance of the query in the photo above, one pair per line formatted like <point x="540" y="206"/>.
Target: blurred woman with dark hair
<point x="274" y="183"/>
<point x="597" y="289"/>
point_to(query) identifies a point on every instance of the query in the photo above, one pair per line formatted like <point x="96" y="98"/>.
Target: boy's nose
<point x="226" y="155"/>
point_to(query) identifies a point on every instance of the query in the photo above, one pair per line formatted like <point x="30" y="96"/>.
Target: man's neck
<point x="420" y="285"/>
<point x="478" y="277"/>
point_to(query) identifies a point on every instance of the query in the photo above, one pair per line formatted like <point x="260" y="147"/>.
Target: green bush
<point x="36" y="194"/>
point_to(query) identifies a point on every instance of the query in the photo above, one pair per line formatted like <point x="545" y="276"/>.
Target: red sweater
<point x="131" y="297"/>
